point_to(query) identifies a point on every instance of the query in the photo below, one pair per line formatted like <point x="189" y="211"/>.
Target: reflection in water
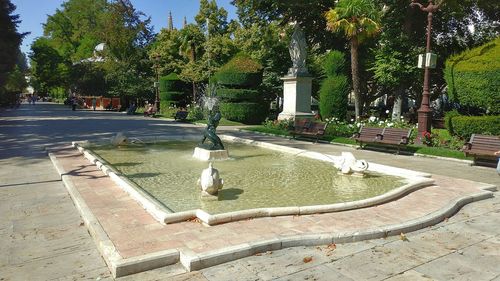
<point x="254" y="177"/>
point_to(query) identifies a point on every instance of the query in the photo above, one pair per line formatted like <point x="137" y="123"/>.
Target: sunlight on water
<point x="253" y="178"/>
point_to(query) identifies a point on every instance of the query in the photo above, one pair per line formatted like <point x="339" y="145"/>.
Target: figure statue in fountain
<point x="210" y="181"/>
<point x="347" y="164"/>
<point x="209" y="133"/>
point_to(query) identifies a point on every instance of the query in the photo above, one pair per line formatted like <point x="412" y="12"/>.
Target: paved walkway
<point x="44" y="238"/>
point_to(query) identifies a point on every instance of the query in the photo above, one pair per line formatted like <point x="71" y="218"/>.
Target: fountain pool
<point x="254" y="177"/>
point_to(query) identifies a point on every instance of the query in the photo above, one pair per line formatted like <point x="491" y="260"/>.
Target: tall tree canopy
<point x="10" y="40"/>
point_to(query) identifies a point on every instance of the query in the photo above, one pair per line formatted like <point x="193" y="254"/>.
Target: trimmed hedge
<point x="241" y="71"/>
<point x="171" y="83"/>
<point x="334" y="91"/>
<point x="233" y="95"/>
<point x="333" y="96"/>
<point x="473" y="77"/>
<point x="238" y="79"/>
<point x="244" y="112"/>
<point x="465" y="126"/>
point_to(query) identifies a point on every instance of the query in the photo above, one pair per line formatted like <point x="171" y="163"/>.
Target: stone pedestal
<point x="205" y="154"/>
<point x="296" y="97"/>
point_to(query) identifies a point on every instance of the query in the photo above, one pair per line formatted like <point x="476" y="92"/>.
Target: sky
<point x="33" y="13"/>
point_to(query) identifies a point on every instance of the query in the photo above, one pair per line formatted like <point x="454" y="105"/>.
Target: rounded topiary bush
<point x="244" y="112"/>
<point x="334" y="63"/>
<point x="171" y="83"/>
<point x="234" y="95"/>
<point x="241" y="71"/>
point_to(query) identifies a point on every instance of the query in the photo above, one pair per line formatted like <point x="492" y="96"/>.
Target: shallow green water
<point x="254" y="177"/>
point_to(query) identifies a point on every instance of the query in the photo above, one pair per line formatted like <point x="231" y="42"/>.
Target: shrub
<point x="169" y="99"/>
<point x="233" y="95"/>
<point x="244" y="112"/>
<point x="241" y="71"/>
<point x="465" y="126"/>
<point x="334" y="91"/>
<point x="171" y="82"/>
<point x="473" y="77"/>
<point x="334" y="63"/>
<point x="447" y="120"/>
<point x="333" y="97"/>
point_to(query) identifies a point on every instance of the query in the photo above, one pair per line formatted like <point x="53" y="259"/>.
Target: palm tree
<point x="358" y="19"/>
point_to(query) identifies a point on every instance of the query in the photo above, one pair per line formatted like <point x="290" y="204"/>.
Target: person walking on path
<point x="94" y="103"/>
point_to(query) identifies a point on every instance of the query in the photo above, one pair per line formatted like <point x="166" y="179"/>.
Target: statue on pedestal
<point x="298" y="52"/>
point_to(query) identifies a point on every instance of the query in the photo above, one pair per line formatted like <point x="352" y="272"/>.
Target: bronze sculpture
<point x="209" y="133"/>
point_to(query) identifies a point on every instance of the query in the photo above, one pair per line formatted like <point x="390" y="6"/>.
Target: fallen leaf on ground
<point x="307" y="259"/>
<point x="403" y="237"/>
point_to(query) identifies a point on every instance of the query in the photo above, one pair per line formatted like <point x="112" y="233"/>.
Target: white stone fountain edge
<point x="414" y="181"/>
<point x="192" y="261"/>
<point x="117" y="265"/>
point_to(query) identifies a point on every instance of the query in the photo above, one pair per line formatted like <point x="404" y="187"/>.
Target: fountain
<point x="213" y="149"/>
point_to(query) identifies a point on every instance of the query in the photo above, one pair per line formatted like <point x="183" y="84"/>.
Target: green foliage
<point x="473" y="77"/>
<point x="447" y="120"/>
<point x="465" y="126"/>
<point x="241" y="71"/>
<point x="10" y="40"/>
<point x="245" y="112"/>
<point x="334" y="63"/>
<point x="196" y="113"/>
<point x="333" y="97"/>
<point x="171" y="82"/>
<point x="334" y="91"/>
<point x="235" y="95"/>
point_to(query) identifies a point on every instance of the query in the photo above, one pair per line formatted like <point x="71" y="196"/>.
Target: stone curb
<point x="195" y="261"/>
<point x="115" y="262"/>
<point x="192" y="261"/>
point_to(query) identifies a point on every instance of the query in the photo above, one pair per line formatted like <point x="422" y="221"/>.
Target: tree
<point x="48" y="68"/>
<point x="10" y="40"/>
<point x="358" y="19"/>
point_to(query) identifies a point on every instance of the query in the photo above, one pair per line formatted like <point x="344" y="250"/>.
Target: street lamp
<point x="425" y="112"/>
<point x="157" y="83"/>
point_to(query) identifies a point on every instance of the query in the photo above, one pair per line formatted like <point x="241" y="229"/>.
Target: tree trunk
<point x="355" y="76"/>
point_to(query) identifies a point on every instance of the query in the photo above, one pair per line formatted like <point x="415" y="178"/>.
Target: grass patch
<point x="433" y="151"/>
<point x="222" y="122"/>
<point x="439" y="151"/>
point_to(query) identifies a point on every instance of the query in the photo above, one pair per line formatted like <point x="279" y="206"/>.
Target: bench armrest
<point x="379" y="137"/>
<point x="405" y="140"/>
<point x="467" y="146"/>
<point x="355" y="136"/>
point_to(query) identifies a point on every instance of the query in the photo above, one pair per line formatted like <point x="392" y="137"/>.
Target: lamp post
<point x="157" y="83"/>
<point x="425" y="112"/>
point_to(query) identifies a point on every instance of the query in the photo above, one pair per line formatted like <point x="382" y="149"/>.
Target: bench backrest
<point x="485" y="142"/>
<point x="396" y="135"/>
<point x="302" y="125"/>
<point x="370" y="132"/>
<point x="318" y="127"/>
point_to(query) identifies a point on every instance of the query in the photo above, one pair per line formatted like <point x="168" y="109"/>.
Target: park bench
<point x="385" y="136"/>
<point x="482" y="146"/>
<point x="181" y="115"/>
<point x="309" y="129"/>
